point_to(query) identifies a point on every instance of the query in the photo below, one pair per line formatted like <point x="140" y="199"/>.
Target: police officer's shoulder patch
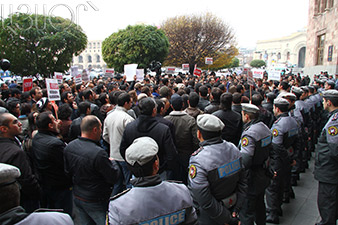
<point x="244" y="141"/>
<point x="335" y="117"/>
<point x="197" y="151"/>
<point x="333" y="131"/>
<point x="275" y="132"/>
<point x="192" y="171"/>
<point x="119" y="194"/>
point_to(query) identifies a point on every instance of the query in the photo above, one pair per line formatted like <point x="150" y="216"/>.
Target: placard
<point x="185" y="67"/>
<point x="274" y="75"/>
<point x="78" y="79"/>
<point x="85" y="75"/>
<point x="53" y="92"/>
<point x="197" y="71"/>
<point x="208" y="61"/>
<point x="170" y="70"/>
<point x="257" y="73"/>
<point x="109" y="72"/>
<point x="27" y="84"/>
<point x="130" y="71"/>
<point x="59" y="77"/>
<point x="74" y="71"/>
<point x="139" y="74"/>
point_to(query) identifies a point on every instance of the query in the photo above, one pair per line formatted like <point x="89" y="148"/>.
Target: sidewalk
<point x="303" y="209"/>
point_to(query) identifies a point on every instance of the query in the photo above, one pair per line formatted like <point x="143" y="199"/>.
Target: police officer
<point x="255" y="149"/>
<point x="284" y="132"/>
<point x="151" y="200"/>
<point x="326" y="163"/>
<point x="10" y="210"/>
<point x="217" y="181"/>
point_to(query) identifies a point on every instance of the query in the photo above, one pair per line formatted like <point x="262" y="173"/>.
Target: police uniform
<point x="255" y="149"/>
<point x="216" y="177"/>
<point x="284" y="132"/>
<point x="326" y="166"/>
<point x="151" y="200"/>
<point x="17" y="215"/>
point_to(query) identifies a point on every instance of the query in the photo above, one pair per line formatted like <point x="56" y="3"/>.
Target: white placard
<point x="78" y="79"/>
<point x="139" y="74"/>
<point x="274" y="75"/>
<point x="74" y="71"/>
<point x="208" y="61"/>
<point x="109" y="72"/>
<point x="130" y="71"/>
<point x="59" y="77"/>
<point x="170" y="70"/>
<point x="257" y="73"/>
<point x="53" y="90"/>
<point x="185" y="67"/>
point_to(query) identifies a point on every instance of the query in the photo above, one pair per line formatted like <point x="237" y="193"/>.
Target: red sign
<point x="53" y="86"/>
<point x="197" y="72"/>
<point x="27" y="84"/>
<point x="208" y="61"/>
<point x="185" y="67"/>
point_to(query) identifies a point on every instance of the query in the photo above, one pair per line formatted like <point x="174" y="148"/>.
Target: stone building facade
<point x="91" y="57"/>
<point x="288" y="51"/>
<point x="322" y="37"/>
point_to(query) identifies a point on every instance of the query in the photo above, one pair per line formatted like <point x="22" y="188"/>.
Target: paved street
<point x="303" y="210"/>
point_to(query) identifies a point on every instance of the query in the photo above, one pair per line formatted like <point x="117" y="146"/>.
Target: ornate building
<point x="90" y="57"/>
<point x="322" y="37"/>
<point x="289" y="50"/>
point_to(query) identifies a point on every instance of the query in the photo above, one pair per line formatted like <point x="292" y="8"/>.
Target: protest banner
<point x="274" y="75"/>
<point x="208" y="61"/>
<point x="27" y="84"/>
<point x="139" y="74"/>
<point x="78" y="79"/>
<point x="250" y="78"/>
<point x="74" y="71"/>
<point x="53" y="92"/>
<point x="257" y="73"/>
<point x="59" y="77"/>
<point x="197" y="71"/>
<point x="130" y="71"/>
<point x="109" y="72"/>
<point x="185" y="67"/>
<point x="170" y="70"/>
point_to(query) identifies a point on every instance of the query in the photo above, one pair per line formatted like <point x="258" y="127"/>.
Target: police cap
<point x="288" y="95"/>
<point x="209" y="122"/>
<point x="8" y="174"/>
<point x="281" y="102"/>
<point x="250" y="108"/>
<point x="297" y="90"/>
<point x="331" y="83"/>
<point x="332" y="93"/>
<point x="141" y="151"/>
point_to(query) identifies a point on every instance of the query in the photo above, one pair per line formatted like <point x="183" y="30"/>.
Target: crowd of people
<point x="180" y="149"/>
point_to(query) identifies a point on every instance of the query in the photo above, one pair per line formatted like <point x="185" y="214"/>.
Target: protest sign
<point x="257" y="73"/>
<point x="74" y="71"/>
<point x="170" y="70"/>
<point x="109" y="72"/>
<point x="139" y="74"/>
<point x="53" y="92"/>
<point x="208" y="61"/>
<point x="274" y="75"/>
<point x="250" y="78"/>
<point x="130" y="71"/>
<point x="27" y="84"/>
<point x="78" y="79"/>
<point x="59" y="77"/>
<point x="185" y="67"/>
<point x="197" y="71"/>
<point x="85" y="75"/>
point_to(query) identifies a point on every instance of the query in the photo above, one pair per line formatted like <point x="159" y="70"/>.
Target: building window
<point x="279" y="56"/>
<point x="90" y="45"/>
<point x="320" y="49"/>
<point x="288" y="56"/>
<point x="322" y="5"/>
<point x="98" y="58"/>
<point x="89" y="59"/>
<point x="80" y="59"/>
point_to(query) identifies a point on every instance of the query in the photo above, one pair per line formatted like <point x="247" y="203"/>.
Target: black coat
<point x="92" y="172"/>
<point x="233" y="125"/>
<point x="12" y="154"/>
<point x="48" y="160"/>
<point x="150" y="127"/>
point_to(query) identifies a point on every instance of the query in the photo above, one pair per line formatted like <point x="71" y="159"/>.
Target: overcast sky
<point x="252" y="20"/>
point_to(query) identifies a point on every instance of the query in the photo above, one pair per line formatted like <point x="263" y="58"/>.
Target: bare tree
<point x="192" y="38"/>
